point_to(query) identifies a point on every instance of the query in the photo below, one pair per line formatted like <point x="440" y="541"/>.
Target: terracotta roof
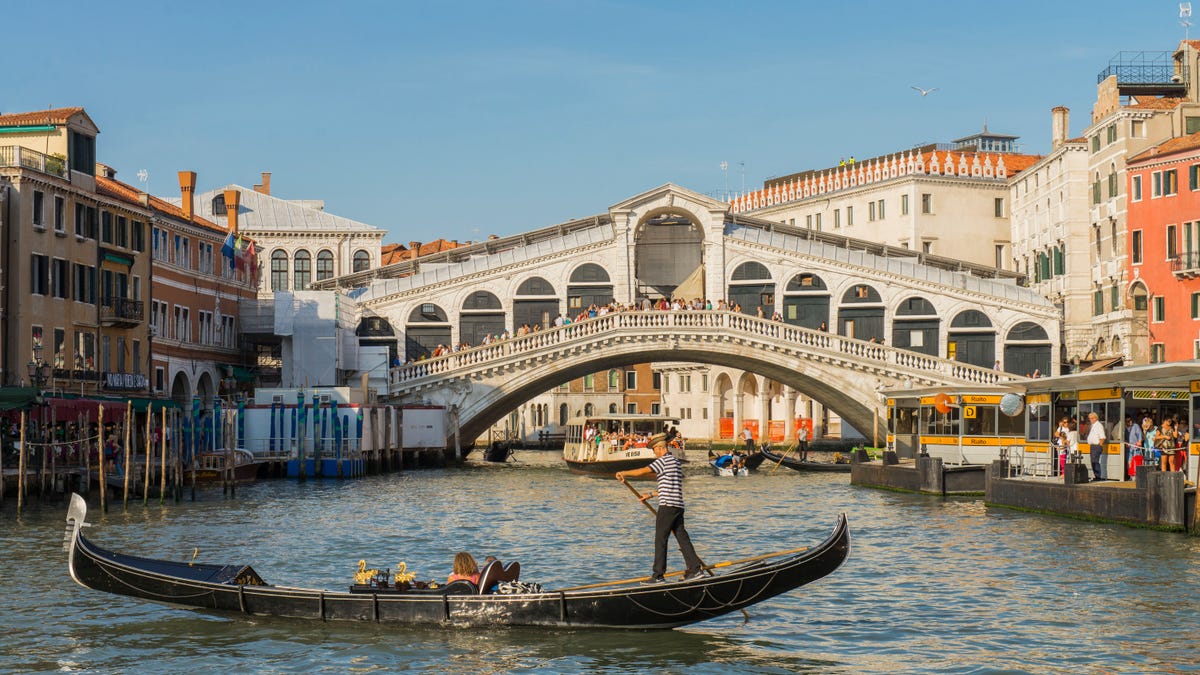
<point x="1080" y="139"/>
<point x="390" y="254"/>
<point x="428" y="249"/>
<point x="52" y="116"/>
<point x="1178" y="144"/>
<point x="127" y="193"/>
<point x="1014" y="163"/>
<point x="1161" y="103"/>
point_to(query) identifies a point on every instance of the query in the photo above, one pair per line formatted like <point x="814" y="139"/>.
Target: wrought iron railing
<point x="1187" y="262"/>
<point x="122" y="308"/>
<point x="1150" y="68"/>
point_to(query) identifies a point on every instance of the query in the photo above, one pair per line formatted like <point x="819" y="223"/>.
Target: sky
<point x="465" y="119"/>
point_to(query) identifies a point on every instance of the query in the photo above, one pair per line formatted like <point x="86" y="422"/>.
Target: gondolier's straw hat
<point x="658" y="438"/>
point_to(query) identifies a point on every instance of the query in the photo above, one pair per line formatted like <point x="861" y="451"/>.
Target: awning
<point x="17" y="398"/>
<point x="243" y="374"/>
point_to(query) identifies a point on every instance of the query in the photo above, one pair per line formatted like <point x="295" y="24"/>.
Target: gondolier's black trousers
<point x="670" y="521"/>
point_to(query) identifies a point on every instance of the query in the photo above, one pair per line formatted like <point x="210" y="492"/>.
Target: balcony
<point x="1146" y="74"/>
<point x="121" y="312"/>
<point x="1186" y="265"/>
<point x="17" y="156"/>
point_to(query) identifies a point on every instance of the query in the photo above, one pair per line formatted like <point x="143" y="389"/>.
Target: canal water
<point x="931" y="585"/>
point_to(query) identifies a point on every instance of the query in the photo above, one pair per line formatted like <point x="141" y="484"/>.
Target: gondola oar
<point x="642" y="499"/>
<point x="727" y="563"/>
<point x="786" y="452"/>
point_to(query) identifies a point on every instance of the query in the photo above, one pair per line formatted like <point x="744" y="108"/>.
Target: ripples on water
<point x="931" y="585"/>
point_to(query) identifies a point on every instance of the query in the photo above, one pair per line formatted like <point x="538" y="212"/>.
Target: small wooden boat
<point x="798" y="464"/>
<point x="211" y="467"/>
<point x="719" y="470"/>
<point x="498" y="451"/>
<point x="617" y="604"/>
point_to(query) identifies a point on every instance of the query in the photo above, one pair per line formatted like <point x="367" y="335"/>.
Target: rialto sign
<point x="124" y="381"/>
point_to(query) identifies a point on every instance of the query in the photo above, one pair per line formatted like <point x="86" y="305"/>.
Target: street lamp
<point x="39" y="369"/>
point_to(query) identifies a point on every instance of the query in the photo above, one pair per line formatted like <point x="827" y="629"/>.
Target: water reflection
<point x="931" y="585"/>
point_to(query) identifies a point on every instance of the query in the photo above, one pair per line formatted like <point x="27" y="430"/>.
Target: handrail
<point x="658" y="322"/>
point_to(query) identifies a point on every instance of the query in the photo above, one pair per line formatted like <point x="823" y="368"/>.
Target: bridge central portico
<point x="837" y="302"/>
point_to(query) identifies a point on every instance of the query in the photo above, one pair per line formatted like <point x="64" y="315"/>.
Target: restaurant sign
<point x="124" y="381"/>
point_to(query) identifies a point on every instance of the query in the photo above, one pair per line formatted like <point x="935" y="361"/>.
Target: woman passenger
<point x="465" y="568"/>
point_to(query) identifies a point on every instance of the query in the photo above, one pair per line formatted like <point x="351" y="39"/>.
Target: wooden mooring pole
<point x="21" y="468"/>
<point x="149" y="457"/>
<point x="162" y="471"/>
<point x="100" y="440"/>
<point x="128" y="453"/>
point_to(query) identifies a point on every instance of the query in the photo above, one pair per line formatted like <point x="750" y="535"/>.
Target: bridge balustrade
<point x="660" y="321"/>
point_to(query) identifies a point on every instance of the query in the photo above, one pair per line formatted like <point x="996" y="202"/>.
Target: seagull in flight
<point x="925" y="92"/>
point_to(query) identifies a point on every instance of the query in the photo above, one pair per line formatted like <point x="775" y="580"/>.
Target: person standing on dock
<point x="1096" y="438"/>
<point x="669" y="520"/>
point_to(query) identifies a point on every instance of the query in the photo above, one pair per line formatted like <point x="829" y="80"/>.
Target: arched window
<point x="303" y="262"/>
<point x="612" y="407"/>
<point x="588" y="409"/>
<point x="218" y="205"/>
<point x="362" y="261"/>
<point x="324" y="265"/>
<point x="614" y="380"/>
<point x="279" y="270"/>
<point x="562" y="415"/>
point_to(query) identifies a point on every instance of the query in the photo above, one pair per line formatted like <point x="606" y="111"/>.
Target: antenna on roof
<point x="143" y="177"/>
<point x="1185" y="13"/>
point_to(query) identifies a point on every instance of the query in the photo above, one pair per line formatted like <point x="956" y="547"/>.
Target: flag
<point x="252" y="263"/>
<point x="227" y="249"/>
<point x="239" y="248"/>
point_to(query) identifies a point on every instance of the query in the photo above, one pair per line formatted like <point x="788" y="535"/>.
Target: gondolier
<point x="669" y="476"/>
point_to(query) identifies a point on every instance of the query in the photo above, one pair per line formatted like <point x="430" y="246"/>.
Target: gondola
<point x="621" y="604"/>
<point x="804" y="465"/>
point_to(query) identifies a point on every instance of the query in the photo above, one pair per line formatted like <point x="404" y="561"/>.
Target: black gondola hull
<point x="798" y="465"/>
<point x="239" y="590"/>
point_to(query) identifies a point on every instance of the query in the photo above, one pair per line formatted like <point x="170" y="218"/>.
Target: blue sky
<point x="464" y="119"/>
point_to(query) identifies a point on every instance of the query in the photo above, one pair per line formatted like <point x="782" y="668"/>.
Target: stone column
<point x="790" y="395"/>
<point x="714" y="417"/>
<point x="737" y="416"/>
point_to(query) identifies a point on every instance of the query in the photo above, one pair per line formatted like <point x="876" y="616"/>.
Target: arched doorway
<point x="181" y="390"/>
<point x="751" y="286"/>
<point x="535" y="303"/>
<point x="806" y="301"/>
<point x="589" y="285"/>
<point x="860" y="315"/>
<point x="205" y="391"/>
<point x="972" y="339"/>
<point x="427" y="328"/>
<point x="915" y="327"/>
<point x="482" y="315"/>
<point x="748" y="408"/>
<point x="668" y="249"/>
<point x="1027" y="349"/>
<point x="723" y="401"/>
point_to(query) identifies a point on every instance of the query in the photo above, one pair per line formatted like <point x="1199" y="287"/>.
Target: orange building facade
<point x="1163" y="241"/>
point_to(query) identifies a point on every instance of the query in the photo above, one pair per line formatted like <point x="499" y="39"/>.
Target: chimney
<point x="232" y="198"/>
<point x="414" y="246"/>
<point x="144" y="198"/>
<point x="187" y="185"/>
<point x="264" y="187"/>
<point x="1059" y="128"/>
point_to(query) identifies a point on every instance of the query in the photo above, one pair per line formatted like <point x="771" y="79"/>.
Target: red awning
<point x="71" y="409"/>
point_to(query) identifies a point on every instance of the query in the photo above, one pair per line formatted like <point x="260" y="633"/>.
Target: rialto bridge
<point x="851" y="317"/>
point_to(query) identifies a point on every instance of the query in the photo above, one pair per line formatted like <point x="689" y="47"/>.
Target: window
<point x="121" y="235"/>
<point x="837" y="218"/>
<point x="279" y="270"/>
<point x="631" y="408"/>
<point x="1135" y="188"/>
<point x="106" y="227"/>
<point x="818" y="222"/>
<point x="139" y="236"/>
<point x="871" y="211"/>
<point x="39" y="210"/>
<point x="655" y="409"/>
<point x="60" y="278"/>
<point x="60" y="344"/>
<point x="218" y="206"/>
<point x="120" y="354"/>
<point x="1160" y="309"/>
<point x="1112" y="184"/>
<point x="656" y="382"/>
<point x="1112" y="133"/>
<point x="808" y="221"/>
<point x="1096" y="190"/>
<point x="1158" y="352"/>
<point x="324" y="265"/>
<point x="1164" y="183"/>
<point x="1059" y="253"/>
<point x="880" y="209"/>
<point x="1096" y="143"/>
<point x="1196" y="305"/>
<point x="704" y="383"/>
<point x="1194" y="177"/>
<point x="614" y="380"/>
<point x="303" y="271"/>
<point x="631" y="380"/>
<point x="927" y="247"/>
<point x="998" y="207"/>
<point x="1172" y="242"/>
<point x="1137" y="128"/>
<point x="926" y="202"/>
<point x="362" y="261"/>
<point x="105" y="354"/>
<point x="589" y="382"/>
<point x="39" y="274"/>
<point x="849" y="216"/>
<point x="904" y="205"/>
<point x="1114" y="297"/>
<point x="137" y="357"/>
<point x="1135" y="253"/>
<point x="1097" y="303"/>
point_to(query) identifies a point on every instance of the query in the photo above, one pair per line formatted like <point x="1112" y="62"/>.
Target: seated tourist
<point x="465" y="568"/>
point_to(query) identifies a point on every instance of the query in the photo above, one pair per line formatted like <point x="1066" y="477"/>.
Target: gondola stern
<point x="76" y="521"/>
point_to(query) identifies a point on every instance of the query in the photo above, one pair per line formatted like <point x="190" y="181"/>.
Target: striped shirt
<point x="669" y="474"/>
